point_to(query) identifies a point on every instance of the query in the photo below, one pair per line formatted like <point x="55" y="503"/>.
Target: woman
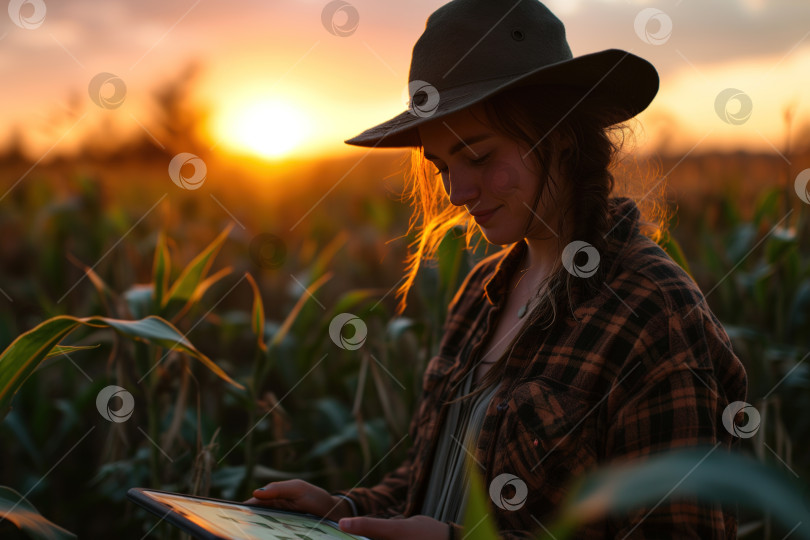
<point x="579" y="344"/>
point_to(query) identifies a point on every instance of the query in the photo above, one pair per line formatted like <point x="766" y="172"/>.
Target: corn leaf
<point x="673" y="249"/>
<point x="22" y="357"/>
<point x="108" y="297"/>
<point x="767" y="204"/>
<point x="16" y="509"/>
<point x="293" y="314"/>
<point x="478" y="523"/>
<point x="161" y="269"/>
<point x="452" y="256"/>
<point x="326" y="254"/>
<point x="355" y="299"/>
<point x="185" y="288"/>
<point x="201" y="289"/>
<point x="138" y="299"/>
<point x="709" y="474"/>
<point x="25" y="353"/>
<point x="257" y="314"/>
<point x="59" y="350"/>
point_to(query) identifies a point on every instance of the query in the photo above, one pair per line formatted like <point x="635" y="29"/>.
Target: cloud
<point x="703" y="33"/>
<point x="272" y="38"/>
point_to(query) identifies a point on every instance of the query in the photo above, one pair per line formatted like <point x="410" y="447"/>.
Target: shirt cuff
<point x="351" y="502"/>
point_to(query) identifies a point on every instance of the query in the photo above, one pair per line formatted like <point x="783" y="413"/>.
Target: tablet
<point x="214" y="519"/>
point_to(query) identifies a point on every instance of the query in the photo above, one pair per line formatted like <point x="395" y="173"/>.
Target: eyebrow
<point x="456" y="148"/>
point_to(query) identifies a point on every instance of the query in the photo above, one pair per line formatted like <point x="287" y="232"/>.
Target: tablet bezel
<point x="139" y="496"/>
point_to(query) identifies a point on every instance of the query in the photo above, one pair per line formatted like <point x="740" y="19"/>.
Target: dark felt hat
<point x="473" y="49"/>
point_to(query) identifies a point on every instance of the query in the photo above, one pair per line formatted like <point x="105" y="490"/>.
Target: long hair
<point x="546" y="120"/>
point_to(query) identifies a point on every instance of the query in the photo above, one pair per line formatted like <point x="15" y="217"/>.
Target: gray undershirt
<point x="449" y="482"/>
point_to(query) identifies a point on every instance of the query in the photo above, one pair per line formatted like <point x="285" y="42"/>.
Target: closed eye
<point x="474" y="161"/>
<point x="481" y="160"/>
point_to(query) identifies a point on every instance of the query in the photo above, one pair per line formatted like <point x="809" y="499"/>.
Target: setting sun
<point x="268" y="129"/>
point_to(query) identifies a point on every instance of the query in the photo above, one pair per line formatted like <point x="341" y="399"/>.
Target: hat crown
<point x="468" y="41"/>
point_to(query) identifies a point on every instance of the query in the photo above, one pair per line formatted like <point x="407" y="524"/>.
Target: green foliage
<point x="22" y="357"/>
<point x="310" y="408"/>
<point x="19" y="511"/>
<point x="673" y="249"/>
<point x="192" y="284"/>
<point x="759" y="277"/>
<point x="478" y="523"/>
<point x="702" y="473"/>
<point x="705" y="473"/>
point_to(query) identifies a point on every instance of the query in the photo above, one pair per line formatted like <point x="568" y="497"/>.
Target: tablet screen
<point x="249" y="522"/>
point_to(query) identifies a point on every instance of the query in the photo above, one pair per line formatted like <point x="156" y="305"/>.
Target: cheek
<point x="501" y="177"/>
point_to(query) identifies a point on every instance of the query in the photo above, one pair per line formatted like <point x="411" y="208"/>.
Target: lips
<point x="482" y="217"/>
<point x="484" y="213"/>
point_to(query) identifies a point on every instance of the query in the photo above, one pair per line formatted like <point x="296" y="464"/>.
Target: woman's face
<point x="485" y="172"/>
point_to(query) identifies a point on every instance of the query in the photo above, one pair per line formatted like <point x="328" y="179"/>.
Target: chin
<point x="500" y="238"/>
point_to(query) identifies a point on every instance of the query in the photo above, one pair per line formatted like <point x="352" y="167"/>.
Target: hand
<point x="301" y="496"/>
<point x="421" y="527"/>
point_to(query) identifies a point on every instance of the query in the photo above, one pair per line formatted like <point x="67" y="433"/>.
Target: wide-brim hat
<point x="473" y="49"/>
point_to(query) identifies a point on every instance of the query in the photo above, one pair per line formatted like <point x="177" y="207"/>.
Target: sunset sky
<point x="272" y="63"/>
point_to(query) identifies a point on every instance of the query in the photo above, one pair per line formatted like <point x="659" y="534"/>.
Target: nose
<point x="461" y="187"/>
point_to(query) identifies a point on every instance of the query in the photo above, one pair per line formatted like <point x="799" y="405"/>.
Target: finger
<point x="286" y="489"/>
<point x="252" y="500"/>
<point x="264" y="493"/>
<point x="377" y="528"/>
<point x="271" y="491"/>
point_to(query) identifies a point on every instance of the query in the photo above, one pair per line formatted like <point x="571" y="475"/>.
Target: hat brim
<point x="612" y="79"/>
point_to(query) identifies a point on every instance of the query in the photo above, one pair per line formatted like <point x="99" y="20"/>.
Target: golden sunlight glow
<point x="268" y="128"/>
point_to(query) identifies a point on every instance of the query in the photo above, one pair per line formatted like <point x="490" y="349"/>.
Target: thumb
<point x="377" y="528"/>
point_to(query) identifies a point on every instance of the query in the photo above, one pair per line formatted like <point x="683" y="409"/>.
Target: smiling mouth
<point x="483" y="214"/>
<point x="482" y="218"/>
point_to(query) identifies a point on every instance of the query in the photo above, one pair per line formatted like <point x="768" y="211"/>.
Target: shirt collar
<point x="625" y="215"/>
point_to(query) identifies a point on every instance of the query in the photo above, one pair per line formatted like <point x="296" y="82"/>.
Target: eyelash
<point x="477" y="161"/>
<point x="481" y="160"/>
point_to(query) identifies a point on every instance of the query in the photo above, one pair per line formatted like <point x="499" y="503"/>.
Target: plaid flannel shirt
<point x="645" y="367"/>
